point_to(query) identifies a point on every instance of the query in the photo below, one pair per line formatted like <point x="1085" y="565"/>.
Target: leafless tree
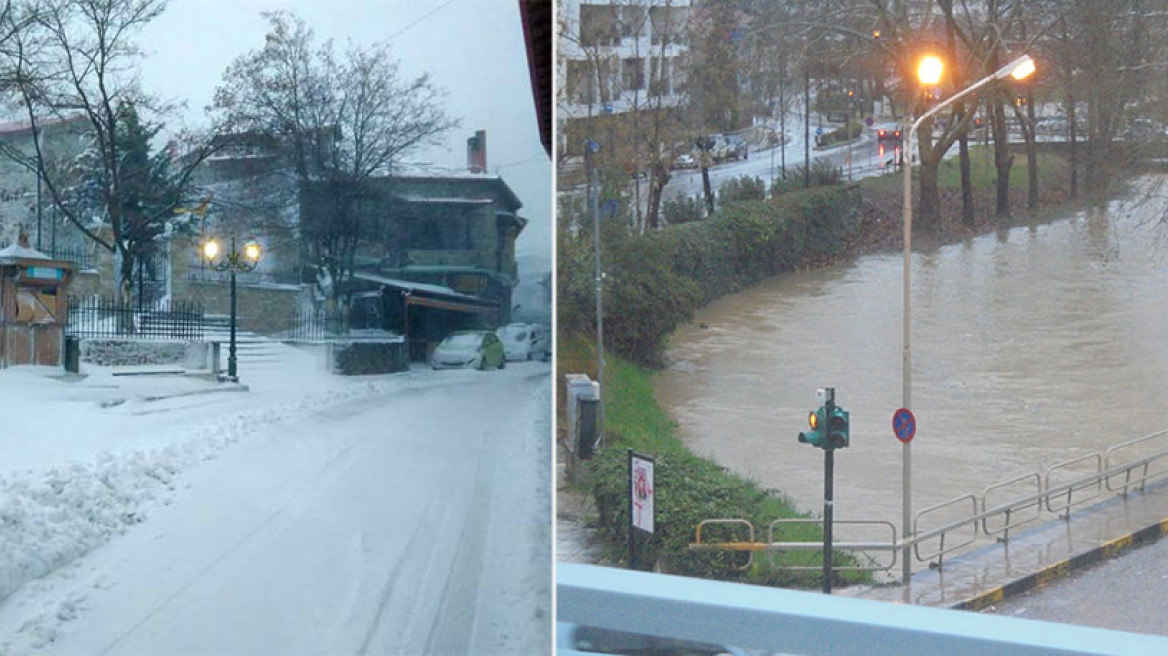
<point x="78" y="58"/>
<point x="340" y="121"/>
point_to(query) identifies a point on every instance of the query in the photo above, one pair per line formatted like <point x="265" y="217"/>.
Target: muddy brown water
<point x="1031" y="346"/>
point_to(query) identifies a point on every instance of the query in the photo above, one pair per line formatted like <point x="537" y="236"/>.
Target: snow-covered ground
<point x="311" y="513"/>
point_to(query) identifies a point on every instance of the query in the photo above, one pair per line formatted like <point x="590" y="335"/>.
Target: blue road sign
<point x="818" y="131"/>
<point x="904" y="424"/>
<point x="868" y="121"/>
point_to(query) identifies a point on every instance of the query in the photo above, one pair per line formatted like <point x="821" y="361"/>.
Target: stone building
<point x="437" y="253"/>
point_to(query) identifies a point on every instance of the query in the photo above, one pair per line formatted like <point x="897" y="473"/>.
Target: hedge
<point x="656" y="281"/>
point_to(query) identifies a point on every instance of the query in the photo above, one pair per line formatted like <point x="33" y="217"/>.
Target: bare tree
<point x="339" y="121"/>
<point x="78" y="58"/>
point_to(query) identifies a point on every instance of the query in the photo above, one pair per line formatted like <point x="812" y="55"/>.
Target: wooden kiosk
<point x="34" y="306"/>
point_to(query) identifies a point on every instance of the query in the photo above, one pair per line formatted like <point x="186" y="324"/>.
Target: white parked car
<point x="525" y="341"/>
<point x="469" y="349"/>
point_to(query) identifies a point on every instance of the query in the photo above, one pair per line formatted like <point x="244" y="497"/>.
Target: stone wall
<point x="130" y="352"/>
<point x="368" y="356"/>
<point x="262" y="308"/>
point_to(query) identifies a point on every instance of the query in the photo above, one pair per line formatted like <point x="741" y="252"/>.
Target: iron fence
<point x="96" y="317"/>
<point x="310" y="324"/>
<point x="78" y="256"/>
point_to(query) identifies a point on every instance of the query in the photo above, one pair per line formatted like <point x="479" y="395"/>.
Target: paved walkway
<point x="576" y="542"/>
<point x="1034" y="556"/>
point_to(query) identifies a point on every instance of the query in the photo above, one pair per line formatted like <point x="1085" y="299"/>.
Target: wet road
<point x="1126" y="593"/>
<point x="1030" y="346"/>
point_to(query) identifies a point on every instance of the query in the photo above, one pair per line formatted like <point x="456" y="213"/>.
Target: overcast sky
<point x="474" y="49"/>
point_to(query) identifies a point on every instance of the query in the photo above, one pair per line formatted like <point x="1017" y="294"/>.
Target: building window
<point x="599" y="26"/>
<point x="666" y="24"/>
<point x="660" y="83"/>
<point x="633" y="74"/>
<point x="632" y="22"/>
<point x="579" y="85"/>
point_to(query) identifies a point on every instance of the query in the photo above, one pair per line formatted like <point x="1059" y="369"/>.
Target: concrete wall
<point x="130" y="352"/>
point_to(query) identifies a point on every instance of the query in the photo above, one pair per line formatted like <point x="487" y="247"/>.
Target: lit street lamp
<point x="929" y="73"/>
<point x="232" y="261"/>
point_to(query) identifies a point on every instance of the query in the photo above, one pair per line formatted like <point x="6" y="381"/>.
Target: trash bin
<point x="72" y="354"/>
<point x="583" y="414"/>
<point x="587" y="412"/>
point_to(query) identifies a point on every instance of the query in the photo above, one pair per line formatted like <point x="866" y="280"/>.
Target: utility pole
<point x="590" y="147"/>
<point x="806" y="129"/>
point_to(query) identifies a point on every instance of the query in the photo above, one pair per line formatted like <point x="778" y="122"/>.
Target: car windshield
<point x="514" y="333"/>
<point x="463" y="340"/>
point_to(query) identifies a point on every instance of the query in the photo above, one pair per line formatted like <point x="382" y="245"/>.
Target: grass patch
<point x="689" y="488"/>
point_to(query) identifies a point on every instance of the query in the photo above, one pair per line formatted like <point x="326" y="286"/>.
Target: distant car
<point x="469" y="349"/>
<point x="577" y="640"/>
<point x="523" y="341"/>
<point x="888" y="134"/>
<point x="737" y="148"/>
<point x="685" y="161"/>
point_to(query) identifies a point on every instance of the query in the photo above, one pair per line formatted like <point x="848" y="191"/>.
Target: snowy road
<point x="413" y="518"/>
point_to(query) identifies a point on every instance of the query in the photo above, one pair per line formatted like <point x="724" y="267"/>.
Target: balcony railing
<point x="795" y="622"/>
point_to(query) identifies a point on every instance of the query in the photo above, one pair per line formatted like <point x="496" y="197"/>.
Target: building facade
<point x="615" y="56"/>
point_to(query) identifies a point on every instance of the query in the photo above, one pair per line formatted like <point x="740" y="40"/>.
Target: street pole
<point x="906" y="364"/>
<point x="806" y="129"/>
<point x="848" y="127"/>
<point x="632" y="530"/>
<point x="231" y="366"/>
<point x="828" y="476"/>
<point x="1019" y="68"/>
<point x="594" y="203"/>
<point x="782" y="130"/>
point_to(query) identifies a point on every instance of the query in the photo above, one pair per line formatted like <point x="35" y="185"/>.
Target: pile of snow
<point x="51" y="516"/>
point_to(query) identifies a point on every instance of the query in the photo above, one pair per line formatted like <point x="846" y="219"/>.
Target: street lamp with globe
<point x="233" y="260"/>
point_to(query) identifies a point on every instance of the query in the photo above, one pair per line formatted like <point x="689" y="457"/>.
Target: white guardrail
<point x="1120" y="470"/>
<point x="754" y="619"/>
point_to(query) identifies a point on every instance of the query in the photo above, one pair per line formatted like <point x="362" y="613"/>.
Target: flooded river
<point x="1031" y="345"/>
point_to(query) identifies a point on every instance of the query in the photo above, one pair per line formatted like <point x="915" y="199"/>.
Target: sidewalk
<point x="576" y="541"/>
<point x="1034" y="556"/>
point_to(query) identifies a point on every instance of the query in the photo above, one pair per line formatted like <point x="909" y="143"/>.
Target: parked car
<point x="524" y="341"/>
<point x="737" y="148"/>
<point x="685" y="161"/>
<point x="469" y="349"/>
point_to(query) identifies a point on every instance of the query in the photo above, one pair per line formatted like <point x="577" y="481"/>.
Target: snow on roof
<point x="18" y="252"/>
<point x="424" y="169"/>
<point x="413" y="286"/>
<point x="21" y="125"/>
<point x="447" y="201"/>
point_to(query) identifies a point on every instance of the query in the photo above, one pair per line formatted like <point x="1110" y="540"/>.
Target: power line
<point x="432" y="12"/>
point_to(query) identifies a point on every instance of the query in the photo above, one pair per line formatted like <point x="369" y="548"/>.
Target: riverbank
<point x="688" y="489"/>
<point x="877" y="228"/>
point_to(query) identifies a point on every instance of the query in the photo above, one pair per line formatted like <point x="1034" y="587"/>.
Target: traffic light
<point x="837" y="427"/>
<point x="817" y="436"/>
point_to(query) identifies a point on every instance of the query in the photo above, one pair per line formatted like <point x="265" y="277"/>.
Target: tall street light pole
<point x="233" y="260"/>
<point x="929" y="73"/>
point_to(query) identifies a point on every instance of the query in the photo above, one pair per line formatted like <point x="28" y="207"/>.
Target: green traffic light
<point x="838" y="429"/>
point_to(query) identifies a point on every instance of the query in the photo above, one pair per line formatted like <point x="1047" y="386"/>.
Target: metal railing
<point x="1050" y="496"/>
<point x="94" y="317"/>
<point x="311" y="324"/>
<point x="795" y="622"/>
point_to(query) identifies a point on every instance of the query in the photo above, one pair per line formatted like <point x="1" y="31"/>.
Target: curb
<point x="1066" y="567"/>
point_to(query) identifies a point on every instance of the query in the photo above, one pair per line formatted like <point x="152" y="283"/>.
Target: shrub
<point x="741" y="188"/>
<point x="685" y="209"/>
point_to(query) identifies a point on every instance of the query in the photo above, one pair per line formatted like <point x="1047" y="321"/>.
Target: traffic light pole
<point x="828" y="470"/>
